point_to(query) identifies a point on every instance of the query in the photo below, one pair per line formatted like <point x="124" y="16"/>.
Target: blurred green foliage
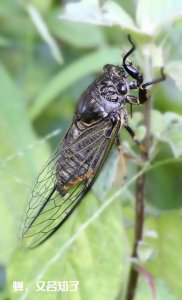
<point x="50" y="52"/>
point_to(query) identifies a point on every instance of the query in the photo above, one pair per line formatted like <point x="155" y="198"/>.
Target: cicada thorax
<point x="100" y="99"/>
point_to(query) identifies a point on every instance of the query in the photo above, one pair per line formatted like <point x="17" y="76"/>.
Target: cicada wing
<point x="65" y="180"/>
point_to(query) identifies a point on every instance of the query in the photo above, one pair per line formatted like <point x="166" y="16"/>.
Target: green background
<point x="46" y="63"/>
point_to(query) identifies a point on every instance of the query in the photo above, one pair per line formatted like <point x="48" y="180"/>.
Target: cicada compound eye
<point x="122" y="88"/>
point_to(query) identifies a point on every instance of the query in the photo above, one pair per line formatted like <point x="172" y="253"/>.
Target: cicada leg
<point x="134" y="138"/>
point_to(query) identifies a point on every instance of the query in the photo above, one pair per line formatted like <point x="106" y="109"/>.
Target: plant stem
<point x="139" y="219"/>
<point x="139" y="196"/>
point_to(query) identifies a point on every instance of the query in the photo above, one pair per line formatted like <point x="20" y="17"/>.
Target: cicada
<point x="72" y="170"/>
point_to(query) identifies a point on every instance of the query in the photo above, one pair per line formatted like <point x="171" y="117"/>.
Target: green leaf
<point x="20" y="160"/>
<point x="44" y="32"/>
<point x="162" y="290"/>
<point x="83" y="11"/>
<point x="174" y="70"/>
<point x="107" y="176"/>
<point x="157" y="124"/>
<point x="77" y="254"/>
<point x="152" y="16"/>
<point x="173" y="133"/>
<point x="167" y="263"/>
<point x="156" y="55"/>
<point x="174" y="139"/>
<point x="168" y="128"/>
<point x="145" y="251"/>
<point x="91" y="12"/>
<point x="68" y="76"/>
<point x="87" y="36"/>
<point x="135" y="122"/>
<point x="114" y="14"/>
<point x="43" y="6"/>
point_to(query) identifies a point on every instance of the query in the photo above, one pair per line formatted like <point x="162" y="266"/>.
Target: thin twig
<point x="139" y="219"/>
<point x="139" y="195"/>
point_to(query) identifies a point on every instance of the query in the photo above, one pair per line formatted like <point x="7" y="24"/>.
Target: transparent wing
<point x="66" y="179"/>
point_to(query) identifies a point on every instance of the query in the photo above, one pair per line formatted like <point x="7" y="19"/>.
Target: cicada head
<point x="114" y="84"/>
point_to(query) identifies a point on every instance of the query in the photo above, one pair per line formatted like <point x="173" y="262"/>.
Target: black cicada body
<point x="72" y="169"/>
